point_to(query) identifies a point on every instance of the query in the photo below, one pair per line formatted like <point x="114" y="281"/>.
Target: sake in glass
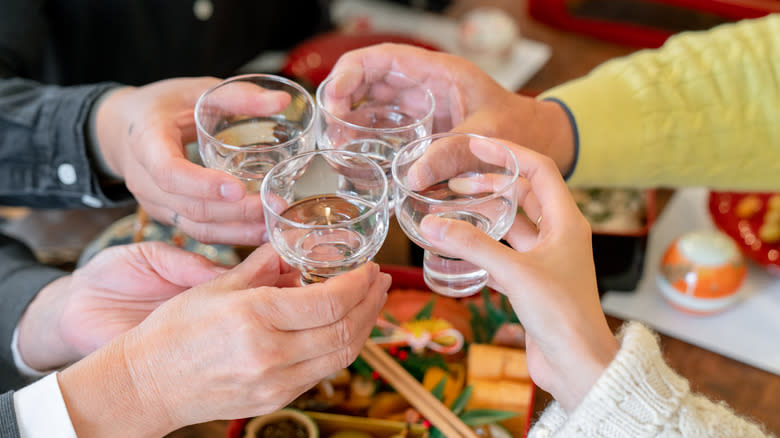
<point x="326" y="211"/>
<point x="458" y="176"/>
<point x="374" y="113"/>
<point x="247" y="124"/>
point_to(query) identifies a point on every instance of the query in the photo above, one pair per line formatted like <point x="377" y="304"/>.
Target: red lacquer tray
<point x="408" y="295"/>
<point x="723" y="206"/>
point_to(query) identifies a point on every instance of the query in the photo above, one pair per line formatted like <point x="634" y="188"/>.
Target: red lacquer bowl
<point x="730" y="215"/>
<point x="311" y="61"/>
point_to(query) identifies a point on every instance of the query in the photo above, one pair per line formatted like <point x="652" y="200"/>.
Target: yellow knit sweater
<point x="702" y="110"/>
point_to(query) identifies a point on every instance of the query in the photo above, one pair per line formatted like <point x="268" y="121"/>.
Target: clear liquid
<point x="493" y="216"/>
<point x="379" y="116"/>
<point x="251" y="165"/>
<point x="323" y="253"/>
<point x="447" y="274"/>
<point x="256" y="131"/>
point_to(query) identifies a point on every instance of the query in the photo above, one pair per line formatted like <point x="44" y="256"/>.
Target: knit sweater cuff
<point x="635" y="397"/>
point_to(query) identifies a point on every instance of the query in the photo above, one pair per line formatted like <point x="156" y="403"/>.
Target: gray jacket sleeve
<point x="44" y="161"/>
<point x="21" y="278"/>
<point x="8" y="426"/>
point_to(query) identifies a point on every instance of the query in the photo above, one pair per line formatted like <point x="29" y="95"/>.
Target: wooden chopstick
<point x="429" y="406"/>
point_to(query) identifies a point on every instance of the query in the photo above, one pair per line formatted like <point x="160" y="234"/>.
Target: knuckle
<point x="196" y="210"/>
<point x="163" y="176"/>
<point x="548" y="164"/>
<point x="345" y="357"/>
<point x="343" y="332"/>
<point x="201" y="233"/>
<point x="330" y="307"/>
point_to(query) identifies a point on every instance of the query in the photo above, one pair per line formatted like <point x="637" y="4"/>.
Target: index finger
<point x="316" y="305"/>
<point x="546" y="183"/>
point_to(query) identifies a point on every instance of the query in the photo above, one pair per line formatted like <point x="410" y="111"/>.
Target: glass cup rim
<point x="418" y="122"/>
<point x="244" y="77"/>
<point x="383" y="200"/>
<point x="431" y="138"/>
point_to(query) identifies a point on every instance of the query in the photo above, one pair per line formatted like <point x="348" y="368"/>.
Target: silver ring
<point x="175" y="219"/>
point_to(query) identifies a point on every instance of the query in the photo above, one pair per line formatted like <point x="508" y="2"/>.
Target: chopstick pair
<point x="429" y="406"/>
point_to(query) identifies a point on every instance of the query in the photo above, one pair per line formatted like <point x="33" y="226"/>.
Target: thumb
<point x="462" y="240"/>
<point x="262" y="268"/>
<point x="178" y="266"/>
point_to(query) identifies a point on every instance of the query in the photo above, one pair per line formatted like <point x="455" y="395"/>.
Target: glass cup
<point x="373" y="113"/>
<point x="456" y="176"/>
<point x="326" y="212"/>
<point x="247" y="124"/>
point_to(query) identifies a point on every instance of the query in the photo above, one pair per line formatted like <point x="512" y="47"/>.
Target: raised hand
<point x="467" y="98"/>
<point x="243" y="344"/>
<point x="549" y="278"/>
<point x="76" y="314"/>
<point x="141" y="133"/>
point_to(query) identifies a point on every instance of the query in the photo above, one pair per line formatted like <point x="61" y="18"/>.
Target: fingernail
<point x="220" y="269"/>
<point x="433" y="228"/>
<point x="387" y="280"/>
<point x="374" y="269"/>
<point x="265" y="237"/>
<point x="231" y="191"/>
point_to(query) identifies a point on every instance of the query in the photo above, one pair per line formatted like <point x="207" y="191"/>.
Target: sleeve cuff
<point x="638" y="392"/>
<point x="24" y="369"/>
<point x="41" y="411"/>
<point x="575" y="134"/>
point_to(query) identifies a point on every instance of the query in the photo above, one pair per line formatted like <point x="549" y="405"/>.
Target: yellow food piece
<point x="503" y="395"/>
<point x="490" y="362"/>
<point x="772" y="217"/>
<point x="774" y="202"/>
<point x="455" y="380"/>
<point x="747" y="207"/>
<point x="386" y="404"/>
<point x="769" y="232"/>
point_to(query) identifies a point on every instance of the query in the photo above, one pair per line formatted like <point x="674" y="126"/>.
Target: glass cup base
<point x="452" y="277"/>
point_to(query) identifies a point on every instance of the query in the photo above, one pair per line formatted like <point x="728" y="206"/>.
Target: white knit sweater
<point x="639" y="396"/>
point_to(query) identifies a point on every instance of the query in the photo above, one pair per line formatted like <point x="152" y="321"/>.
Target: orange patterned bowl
<point x="702" y="272"/>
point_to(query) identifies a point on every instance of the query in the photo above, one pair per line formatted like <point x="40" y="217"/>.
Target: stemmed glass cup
<point x="374" y="113"/>
<point x="247" y="124"/>
<point x="458" y="176"/>
<point x="326" y="211"/>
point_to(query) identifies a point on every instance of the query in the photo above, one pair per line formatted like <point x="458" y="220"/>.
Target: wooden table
<point x="750" y="392"/>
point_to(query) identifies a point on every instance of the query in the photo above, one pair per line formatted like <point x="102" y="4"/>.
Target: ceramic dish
<point x="121" y="233"/>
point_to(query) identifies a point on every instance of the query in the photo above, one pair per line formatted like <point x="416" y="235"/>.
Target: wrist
<point x="587" y="360"/>
<point x="41" y="344"/>
<point x="562" y="142"/>
<point x="107" y="132"/>
<point x="105" y="397"/>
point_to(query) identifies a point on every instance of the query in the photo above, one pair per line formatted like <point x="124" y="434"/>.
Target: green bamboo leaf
<point x="485" y="292"/>
<point x="481" y="417"/>
<point x="438" y="390"/>
<point x="426" y="311"/>
<point x="391" y="319"/>
<point x="435" y="433"/>
<point x="463" y="398"/>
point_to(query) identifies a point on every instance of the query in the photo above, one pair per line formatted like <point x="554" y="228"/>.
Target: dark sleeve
<point x="8" y="426"/>
<point x="21" y="278"/>
<point x="43" y="155"/>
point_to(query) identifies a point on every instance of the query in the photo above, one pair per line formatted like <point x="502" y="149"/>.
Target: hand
<point x="141" y="133"/>
<point x="549" y="278"/>
<point x="244" y="344"/>
<point x="468" y="99"/>
<point x="76" y="314"/>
